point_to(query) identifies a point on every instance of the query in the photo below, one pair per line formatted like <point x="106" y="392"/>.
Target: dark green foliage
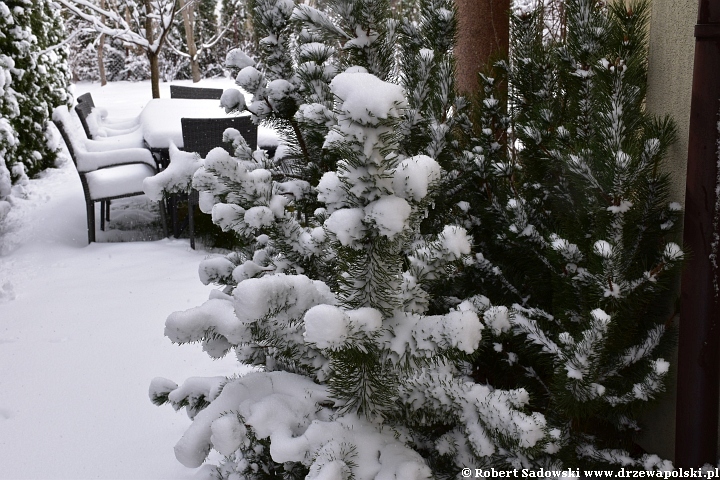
<point x="40" y="78"/>
<point x="556" y="173"/>
<point x="570" y="210"/>
<point x="235" y="15"/>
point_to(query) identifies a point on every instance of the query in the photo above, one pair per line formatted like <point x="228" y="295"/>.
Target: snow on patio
<point x="81" y="330"/>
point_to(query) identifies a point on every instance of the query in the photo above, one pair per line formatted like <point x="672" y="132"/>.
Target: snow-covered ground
<point x="81" y="329"/>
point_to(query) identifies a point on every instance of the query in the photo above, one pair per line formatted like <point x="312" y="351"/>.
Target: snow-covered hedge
<point x="33" y="80"/>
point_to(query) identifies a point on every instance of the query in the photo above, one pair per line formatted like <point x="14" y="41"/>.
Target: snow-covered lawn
<point x="81" y="329"/>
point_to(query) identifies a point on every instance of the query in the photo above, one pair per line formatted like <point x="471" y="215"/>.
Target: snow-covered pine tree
<point x="40" y="77"/>
<point x="206" y="30"/>
<point x="565" y="195"/>
<point x="355" y="379"/>
<point x="235" y="14"/>
<point x="8" y="109"/>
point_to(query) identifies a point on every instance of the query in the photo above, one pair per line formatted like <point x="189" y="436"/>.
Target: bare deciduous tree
<point x="144" y="24"/>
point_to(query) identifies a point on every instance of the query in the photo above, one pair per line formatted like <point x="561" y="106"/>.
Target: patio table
<point x="160" y="120"/>
<point x="161" y="123"/>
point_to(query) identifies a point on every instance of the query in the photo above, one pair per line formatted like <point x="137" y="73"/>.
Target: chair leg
<point x="91" y="221"/>
<point x="102" y="215"/>
<point x="163" y="217"/>
<point x="107" y="211"/>
<point x="192" y="201"/>
<point x="174" y="212"/>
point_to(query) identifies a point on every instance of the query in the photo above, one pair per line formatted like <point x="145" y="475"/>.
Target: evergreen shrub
<point x="425" y="288"/>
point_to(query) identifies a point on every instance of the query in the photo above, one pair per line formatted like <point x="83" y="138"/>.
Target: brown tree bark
<point x="483" y="32"/>
<point x="154" y="73"/>
<point x="152" y="55"/>
<point x="187" y="13"/>
<point x="100" y="52"/>
<point x="101" y="60"/>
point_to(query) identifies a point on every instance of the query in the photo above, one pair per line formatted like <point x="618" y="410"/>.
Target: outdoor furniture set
<point x="114" y="157"/>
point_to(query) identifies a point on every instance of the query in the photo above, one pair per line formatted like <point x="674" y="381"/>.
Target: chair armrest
<point x="176" y="178"/>
<point x="100" y="117"/>
<point x="121" y="123"/>
<point x="106" y="131"/>
<point x="89" y="161"/>
<point x="133" y="139"/>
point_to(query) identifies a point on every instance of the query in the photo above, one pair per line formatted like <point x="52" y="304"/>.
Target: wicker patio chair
<point x="177" y="91"/>
<point x="106" y="175"/>
<point x="83" y="111"/>
<point x="96" y="128"/>
<point x="111" y="127"/>
<point x="201" y="135"/>
<point x="86" y="98"/>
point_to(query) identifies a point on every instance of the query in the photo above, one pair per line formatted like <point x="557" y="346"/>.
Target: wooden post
<point x="483" y="30"/>
<point x="696" y="437"/>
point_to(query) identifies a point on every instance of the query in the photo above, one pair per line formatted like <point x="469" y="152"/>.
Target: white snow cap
<point x="414" y="175"/>
<point x="600" y="316"/>
<point x="330" y="191"/>
<point x="176" y="178"/>
<point x="366" y="98"/>
<point x="232" y="99"/>
<point x="228" y="434"/>
<point x="623" y="207"/>
<point x="326" y="326"/>
<point x="366" y="319"/>
<point x="672" y="252"/>
<point x="498" y="319"/>
<point x="455" y="240"/>
<point x="347" y="225"/>
<point x="258" y="217"/>
<point x="661" y="366"/>
<point x="249" y="78"/>
<point x="603" y="249"/>
<point x="238" y="59"/>
<point x="291" y="295"/>
<point x="278" y="90"/>
<point x="390" y="214"/>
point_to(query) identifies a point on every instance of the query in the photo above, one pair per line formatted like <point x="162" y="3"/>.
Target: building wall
<point x="672" y="47"/>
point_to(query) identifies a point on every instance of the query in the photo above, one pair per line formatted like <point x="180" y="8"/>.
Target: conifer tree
<point x="423" y="290"/>
<point x="235" y="14"/>
<point x="567" y="198"/>
<point x="331" y="298"/>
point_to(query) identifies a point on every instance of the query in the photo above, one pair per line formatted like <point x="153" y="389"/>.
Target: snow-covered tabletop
<point x="160" y="119"/>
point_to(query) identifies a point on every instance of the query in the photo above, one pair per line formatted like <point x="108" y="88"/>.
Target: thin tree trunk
<point x="152" y="54"/>
<point x="101" y="61"/>
<point x="189" y="23"/>
<point x="483" y="34"/>
<point x="154" y="73"/>
<point x="100" y="51"/>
